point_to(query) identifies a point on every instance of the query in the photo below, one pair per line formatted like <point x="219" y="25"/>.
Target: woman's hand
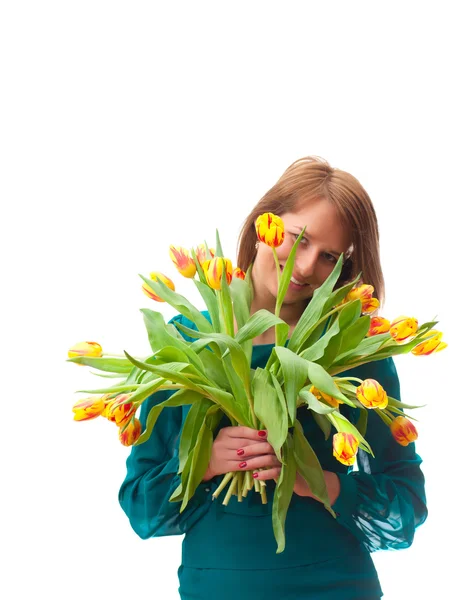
<point x="240" y="449"/>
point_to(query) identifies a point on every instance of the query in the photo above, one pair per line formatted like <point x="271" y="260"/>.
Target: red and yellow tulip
<point x="238" y="273"/>
<point x="203" y="253"/>
<point x="121" y="410"/>
<point x="378" y="325"/>
<point x="364" y="293"/>
<point x="213" y="270"/>
<point x="156" y="277"/>
<point x="183" y="261"/>
<point x="88" y="408"/>
<point x="434" y="344"/>
<point x="334" y="402"/>
<point x="404" y="431"/>
<point x="85" y="349"/>
<point x="371" y="394"/>
<point x="402" y="328"/>
<point x="130" y="433"/>
<point x="270" y="229"/>
<point x="345" y="447"/>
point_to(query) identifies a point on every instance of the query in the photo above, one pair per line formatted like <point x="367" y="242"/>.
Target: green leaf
<point x="219" y="249"/>
<point x="283" y="494"/>
<point x="241" y="295"/>
<point x="343" y="425"/>
<point x="294" y="369"/>
<point x="362" y="421"/>
<point x="314" y="404"/>
<point x="180" y="303"/>
<point x="190" y="429"/>
<point x="228" y="403"/>
<point x="211" y="302"/>
<point x="324" y="382"/>
<point x="258" y="323"/>
<point x="286" y="275"/>
<point x="314" y="310"/>
<point x="309" y="467"/>
<point x="214" y="369"/>
<point x="317" y="350"/>
<point x="112" y="365"/>
<point x="270" y="409"/>
<point x="322" y="423"/>
<point x="353" y="335"/>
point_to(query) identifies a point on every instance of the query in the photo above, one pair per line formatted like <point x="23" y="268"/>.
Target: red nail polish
<point x="255" y="475"/>
<point x="240" y="452"/>
<point x="262" y="433"/>
<point x="242" y="465"/>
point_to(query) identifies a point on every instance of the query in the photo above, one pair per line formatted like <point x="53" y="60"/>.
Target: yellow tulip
<point x="378" y="325"/>
<point x="121" y="410"/>
<point x="270" y="229"/>
<point x="85" y="349"/>
<point x="88" y="408"/>
<point x="201" y="252"/>
<point x="371" y="394"/>
<point x="238" y="273"/>
<point x="434" y="344"/>
<point x="370" y="306"/>
<point x="183" y="261"/>
<point x="403" y="327"/>
<point x="364" y="293"/>
<point x="404" y="431"/>
<point x="345" y="447"/>
<point x="155" y="277"/>
<point x="129" y="434"/>
<point x="213" y="270"/>
<point x="321" y="395"/>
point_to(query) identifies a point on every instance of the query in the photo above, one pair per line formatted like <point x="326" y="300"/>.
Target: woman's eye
<point x="330" y="258"/>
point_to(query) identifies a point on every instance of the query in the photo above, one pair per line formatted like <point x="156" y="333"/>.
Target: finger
<point x="241" y="431"/>
<point x="266" y="460"/>
<point x="254" y="449"/>
<point x="267" y="474"/>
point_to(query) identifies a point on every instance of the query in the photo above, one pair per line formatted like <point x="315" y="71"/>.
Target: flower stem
<point x="223" y="484"/>
<point x="230" y="491"/>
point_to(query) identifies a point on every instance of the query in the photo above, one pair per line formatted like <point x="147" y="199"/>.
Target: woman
<point x="229" y="551"/>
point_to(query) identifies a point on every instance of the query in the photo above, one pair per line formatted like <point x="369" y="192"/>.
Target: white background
<point x="127" y="126"/>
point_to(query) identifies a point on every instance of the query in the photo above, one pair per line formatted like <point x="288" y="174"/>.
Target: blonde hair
<point x="311" y="178"/>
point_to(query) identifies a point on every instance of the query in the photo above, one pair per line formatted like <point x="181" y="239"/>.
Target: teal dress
<point x="229" y="552"/>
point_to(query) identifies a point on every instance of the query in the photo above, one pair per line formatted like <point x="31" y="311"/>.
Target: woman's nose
<point x="305" y="265"/>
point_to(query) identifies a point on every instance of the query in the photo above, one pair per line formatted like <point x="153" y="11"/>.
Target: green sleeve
<point x="152" y="478"/>
<point x="383" y="502"/>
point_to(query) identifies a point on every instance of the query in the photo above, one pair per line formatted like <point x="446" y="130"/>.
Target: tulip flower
<point x="345" y="446"/>
<point x="378" y="325"/>
<point x="270" y="229"/>
<point x="130" y="433"/>
<point x="404" y="431"/>
<point x="213" y="270"/>
<point x="121" y="410"/>
<point x="183" y="261"/>
<point x="238" y="273"/>
<point x="334" y="402"/>
<point x="364" y="293"/>
<point x="109" y="401"/>
<point x="434" y="344"/>
<point x="155" y="277"/>
<point x="371" y="394"/>
<point x="204" y="254"/>
<point x="85" y="349"/>
<point x="88" y="408"/>
<point x="402" y="328"/>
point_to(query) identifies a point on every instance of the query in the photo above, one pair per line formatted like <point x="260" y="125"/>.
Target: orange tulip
<point x="329" y="399"/>
<point x="183" y="261"/>
<point x="378" y="325"/>
<point x="402" y="328"/>
<point x="121" y="410"/>
<point x="345" y="447"/>
<point x="203" y="253"/>
<point x="404" y="431"/>
<point x="88" y="408"/>
<point x="434" y="344"/>
<point x="270" y="229"/>
<point x="371" y="394"/>
<point x="238" y="273"/>
<point x="213" y="270"/>
<point x="85" y="349"/>
<point x="129" y="434"/>
<point x="155" y="277"/>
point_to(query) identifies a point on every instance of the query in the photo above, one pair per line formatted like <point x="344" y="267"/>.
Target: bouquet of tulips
<point x="213" y="374"/>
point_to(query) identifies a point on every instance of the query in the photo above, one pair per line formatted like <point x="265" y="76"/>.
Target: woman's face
<point x="325" y="238"/>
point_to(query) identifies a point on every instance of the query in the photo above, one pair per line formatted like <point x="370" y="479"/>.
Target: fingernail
<point x="255" y="475"/>
<point x="262" y="433"/>
<point x="242" y="465"/>
<point x="240" y="452"/>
